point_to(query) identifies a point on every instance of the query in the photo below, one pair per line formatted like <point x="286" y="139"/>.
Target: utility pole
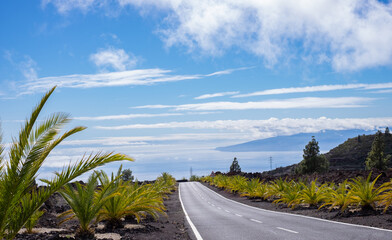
<point x="191" y="173"/>
<point x="271" y="163"/>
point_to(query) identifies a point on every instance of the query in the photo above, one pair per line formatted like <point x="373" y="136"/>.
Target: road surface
<point x="211" y="216"/>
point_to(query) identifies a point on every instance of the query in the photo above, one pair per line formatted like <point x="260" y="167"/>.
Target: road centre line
<point x="238" y="215"/>
<point x="254" y="220"/>
<point x="287" y="230"/>
<point x="227" y="211"/>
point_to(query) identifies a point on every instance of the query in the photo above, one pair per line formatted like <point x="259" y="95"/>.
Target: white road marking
<point x="219" y="208"/>
<point x="238" y="215"/>
<point x="227" y="211"/>
<point x="291" y="214"/>
<point x="254" y="220"/>
<point x="194" y="229"/>
<point x="287" y="230"/>
<point x="212" y="205"/>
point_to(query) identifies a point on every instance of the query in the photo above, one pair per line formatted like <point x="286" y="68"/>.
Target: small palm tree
<point x="290" y="195"/>
<point x="386" y="197"/>
<point x="86" y="202"/>
<point x="30" y="224"/>
<point x="19" y="198"/>
<point x="364" y="193"/>
<point x="249" y="190"/>
<point x="255" y="189"/>
<point x="276" y="188"/>
<point x="341" y="197"/>
<point x="132" y="200"/>
<point x="236" y="183"/>
<point x="166" y="182"/>
<point x="312" y="194"/>
<point x="144" y="200"/>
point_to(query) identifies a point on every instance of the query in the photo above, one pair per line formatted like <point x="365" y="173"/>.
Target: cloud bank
<point x="349" y="34"/>
<point x="321" y="88"/>
<point x="111" y="79"/>
<point x="291" y="103"/>
<point x="271" y="127"/>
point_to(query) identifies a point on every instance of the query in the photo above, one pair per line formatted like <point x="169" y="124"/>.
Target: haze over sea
<point x="169" y="81"/>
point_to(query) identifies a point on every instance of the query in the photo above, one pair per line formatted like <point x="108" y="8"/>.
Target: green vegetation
<point x="32" y="221"/>
<point x="194" y="178"/>
<point x="132" y="200"/>
<point x="313" y="161"/>
<point x="113" y="200"/>
<point x="127" y="175"/>
<point x="235" y="167"/>
<point x="364" y="193"/>
<point x="376" y="157"/>
<point x="20" y="199"/>
<point x="357" y="193"/>
<point x="353" y="153"/>
<point x="85" y="203"/>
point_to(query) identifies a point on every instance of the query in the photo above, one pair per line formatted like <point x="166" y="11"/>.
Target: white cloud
<point x="111" y="79"/>
<point x="118" y="59"/>
<point x="133" y="116"/>
<point x="212" y="95"/>
<point x="28" y="68"/>
<point x="269" y="127"/>
<point x="138" y="141"/>
<point x="383" y="91"/>
<point x="351" y="34"/>
<point x="321" y="88"/>
<point x="307" y="102"/>
<point x="126" y="116"/>
<point x="64" y="7"/>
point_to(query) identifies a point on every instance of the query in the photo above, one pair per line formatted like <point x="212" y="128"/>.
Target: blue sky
<point x="168" y="81"/>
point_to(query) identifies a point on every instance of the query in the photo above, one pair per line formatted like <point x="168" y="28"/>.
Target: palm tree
<point x="132" y="200"/>
<point x="387" y="195"/>
<point x="85" y="203"/>
<point x="364" y="193"/>
<point x="313" y="194"/>
<point x="19" y="198"/>
<point x="290" y="195"/>
<point x="341" y="197"/>
<point x="167" y="181"/>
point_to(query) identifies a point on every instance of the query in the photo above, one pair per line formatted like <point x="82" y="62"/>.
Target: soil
<point x="171" y="226"/>
<point x="368" y="218"/>
<point x="331" y="176"/>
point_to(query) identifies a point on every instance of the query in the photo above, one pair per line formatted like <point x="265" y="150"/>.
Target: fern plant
<point x="19" y="199"/>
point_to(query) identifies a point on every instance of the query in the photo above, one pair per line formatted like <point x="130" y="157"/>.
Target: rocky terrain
<point x="171" y="226"/>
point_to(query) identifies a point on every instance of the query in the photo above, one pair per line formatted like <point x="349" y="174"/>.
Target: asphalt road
<point x="212" y="216"/>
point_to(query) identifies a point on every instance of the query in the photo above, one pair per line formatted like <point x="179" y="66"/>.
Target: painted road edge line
<point x="287" y="230"/>
<point x="194" y="229"/>
<point x="302" y="216"/>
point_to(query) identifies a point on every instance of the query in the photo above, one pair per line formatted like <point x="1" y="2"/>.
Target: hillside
<point x="352" y="153"/>
<point x="327" y="140"/>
